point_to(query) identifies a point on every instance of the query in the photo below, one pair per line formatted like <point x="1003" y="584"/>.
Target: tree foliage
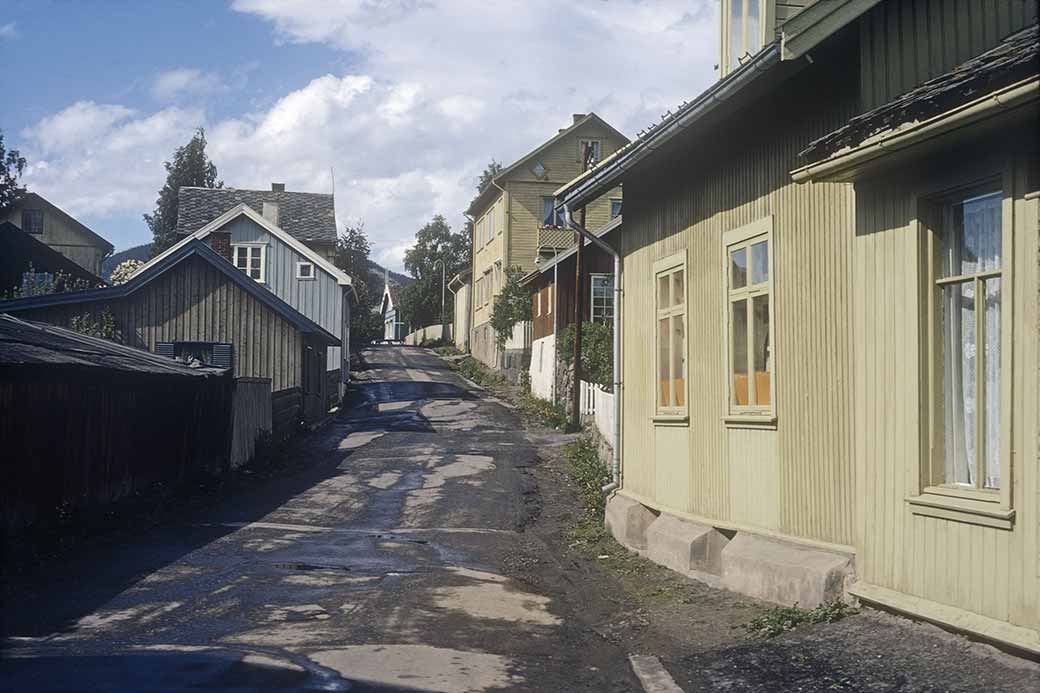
<point x="46" y="283"/>
<point x="123" y="271"/>
<point x="487" y="175"/>
<point x="12" y="164"/>
<point x="352" y="251"/>
<point x="512" y="306"/>
<point x="597" y="349"/>
<point x="190" y="168"/>
<point x="435" y="243"/>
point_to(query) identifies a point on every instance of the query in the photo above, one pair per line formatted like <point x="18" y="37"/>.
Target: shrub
<point x="512" y="306"/>
<point x="544" y="412"/>
<point x="589" y="473"/>
<point x="597" y="350"/>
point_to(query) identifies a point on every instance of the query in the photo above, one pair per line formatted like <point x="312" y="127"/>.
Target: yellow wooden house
<point x="831" y="332"/>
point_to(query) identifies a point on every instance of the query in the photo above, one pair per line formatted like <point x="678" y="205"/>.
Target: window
<point x="742" y="32"/>
<point x="209" y="353"/>
<point x="551" y="217"/>
<point x="549" y="300"/>
<point x="250" y="259"/>
<point x="615" y="208"/>
<point x="538" y="301"/>
<point x="602" y="306"/>
<point x="588" y="153"/>
<point x="491" y="223"/>
<point x="967" y="323"/>
<point x="749" y="318"/>
<point x="305" y="270"/>
<point x="488" y="286"/>
<point x="670" y="333"/>
<point x="32" y="220"/>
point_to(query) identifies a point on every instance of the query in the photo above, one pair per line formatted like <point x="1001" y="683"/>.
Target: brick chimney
<point x="577" y="117"/>
<point x="277" y="187"/>
<point x="220" y="241"/>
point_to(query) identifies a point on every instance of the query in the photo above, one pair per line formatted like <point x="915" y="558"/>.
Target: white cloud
<point x="435" y="92"/>
<point x="174" y="84"/>
<point x="8" y="31"/>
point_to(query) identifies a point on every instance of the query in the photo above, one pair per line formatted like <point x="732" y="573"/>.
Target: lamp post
<point x="444" y="271"/>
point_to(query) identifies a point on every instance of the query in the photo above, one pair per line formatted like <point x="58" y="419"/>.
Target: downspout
<point x="552" y="304"/>
<point x="615" y="471"/>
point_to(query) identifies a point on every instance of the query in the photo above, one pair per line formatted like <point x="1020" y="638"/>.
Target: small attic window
<point x="538" y="169"/>
<point x="305" y="270"/>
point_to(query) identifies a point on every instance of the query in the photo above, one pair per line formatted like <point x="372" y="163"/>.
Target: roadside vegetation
<point x="781" y="619"/>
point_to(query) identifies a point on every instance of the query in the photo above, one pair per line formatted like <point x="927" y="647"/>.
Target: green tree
<point x="12" y="164"/>
<point x="352" y="256"/>
<point x="435" y="243"/>
<point x="190" y="168"/>
<point x="512" y="306"/>
<point x="488" y="174"/>
<point x="597" y="352"/>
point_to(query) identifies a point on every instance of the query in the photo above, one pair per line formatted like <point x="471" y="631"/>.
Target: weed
<point x="589" y="473"/>
<point x="474" y="370"/>
<point x="543" y="412"/>
<point x="781" y="619"/>
<point x="447" y="350"/>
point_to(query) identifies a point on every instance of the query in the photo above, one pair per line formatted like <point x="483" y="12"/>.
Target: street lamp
<point x="444" y="271"/>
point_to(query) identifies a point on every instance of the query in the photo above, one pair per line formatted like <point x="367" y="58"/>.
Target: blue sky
<point x="405" y="100"/>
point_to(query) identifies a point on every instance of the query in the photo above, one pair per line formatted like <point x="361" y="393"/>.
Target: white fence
<point x="598" y="405"/>
<point x="427" y="334"/>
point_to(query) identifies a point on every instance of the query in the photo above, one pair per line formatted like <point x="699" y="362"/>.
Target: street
<point x="377" y="570"/>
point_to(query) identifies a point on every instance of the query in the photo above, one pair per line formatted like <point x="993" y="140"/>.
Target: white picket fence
<point x="598" y="405"/>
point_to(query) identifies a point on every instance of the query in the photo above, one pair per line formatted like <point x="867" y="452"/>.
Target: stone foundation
<point x="753" y="564"/>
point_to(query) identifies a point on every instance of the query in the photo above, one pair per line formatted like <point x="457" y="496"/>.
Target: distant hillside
<point x="138" y="252"/>
<point x="143" y="252"/>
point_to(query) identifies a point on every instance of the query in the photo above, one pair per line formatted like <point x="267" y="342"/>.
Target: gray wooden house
<point x="193" y="305"/>
<point x="285" y="241"/>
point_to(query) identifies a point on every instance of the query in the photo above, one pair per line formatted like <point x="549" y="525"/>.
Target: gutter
<point x="615" y="471"/>
<point x="1005" y="99"/>
<point x="591" y="187"/>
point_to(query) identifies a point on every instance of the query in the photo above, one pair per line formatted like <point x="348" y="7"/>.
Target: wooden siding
<point x="320" y="299"/>
<point x="989" y="571"/>
<point x="60" y="235"/>
<point x="542" y="320"/>
<point x="684" y="206"/>
<point x="908" y="42"/>
<point x="194" y="302"/>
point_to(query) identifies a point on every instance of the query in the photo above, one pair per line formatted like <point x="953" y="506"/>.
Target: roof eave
<point x="818" y="22"/>
<point x="604" y="177"/>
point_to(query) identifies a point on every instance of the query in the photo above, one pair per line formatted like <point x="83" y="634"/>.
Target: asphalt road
<point x="377" y="569"/>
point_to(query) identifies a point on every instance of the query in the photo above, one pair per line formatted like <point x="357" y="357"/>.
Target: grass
<point x="474" y="370"/>
<point x="589" y="473"/>
<point x="543" y="412"/>
<point x="781" y="619"/>
<point x="447" y="350"/>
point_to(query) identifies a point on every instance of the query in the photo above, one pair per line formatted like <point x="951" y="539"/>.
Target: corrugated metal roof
<point x="304" y="216"/>
<point x="1014" y="59"/>
<point x="25" y="343"/>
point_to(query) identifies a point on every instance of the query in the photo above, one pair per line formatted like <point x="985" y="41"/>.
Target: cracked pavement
<point x="379" y="568"/>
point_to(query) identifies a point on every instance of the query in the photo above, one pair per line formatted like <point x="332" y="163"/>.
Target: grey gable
<point x="307" y="217"/>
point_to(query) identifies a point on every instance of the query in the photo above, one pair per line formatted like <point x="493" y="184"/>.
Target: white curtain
<point x="973" y="245"/>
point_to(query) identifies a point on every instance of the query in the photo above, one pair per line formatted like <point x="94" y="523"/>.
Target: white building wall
<point x="543" y="367"/>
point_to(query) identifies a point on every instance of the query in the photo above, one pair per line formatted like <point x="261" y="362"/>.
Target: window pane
<point x="240" y="256"/>
<point x="760" y="345"/>
<point x="738" y="269"/>
<point x="973" y="242"/>
<point x="678" y="288"/>
<point x="663" y="377"/>
<point x="760" y="262"/>
<point x="738" y="341"/>
<point x="958" y="335"/>
<point x="678" y="361"/>
<point x="736" y="33"/>
<point x="753" y="28"/>
<point x="547" y="211"/>
<point x="663" y="300"/>
<point x="991" y="376"/>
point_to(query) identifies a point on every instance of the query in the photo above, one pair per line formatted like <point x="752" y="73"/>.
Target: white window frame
<point x="549" y="300"/>
<point x="539" y="295"/>
<point x="489" y="288"/>
<point x="582" y="141"/>
<point x="305" y="277"/>
<point x="766" y="20"/>
<point x="733" y="240"/>
<point x="250" y="248"/>
<point x="668" y="266"/>
<point x="937" y="498"/>
<point x="592" y="294"/>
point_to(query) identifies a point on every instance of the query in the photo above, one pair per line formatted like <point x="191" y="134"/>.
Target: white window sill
<point x="671" y="419"/>
<point x="767" y="422"/>
<point x="958" y="509"/>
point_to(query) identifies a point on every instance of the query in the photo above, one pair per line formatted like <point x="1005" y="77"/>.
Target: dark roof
<point x="19" y="250"/>
<point x="32" y="200"/>
<point x="25" y="343"/>
<point x="304" y="216"/>
<point x="194" y="248"/>
<point x="1012" y="60"/>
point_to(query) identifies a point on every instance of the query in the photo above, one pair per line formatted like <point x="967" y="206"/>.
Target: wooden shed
<point x="85" y="421"/>
<point x="193" y="304"/>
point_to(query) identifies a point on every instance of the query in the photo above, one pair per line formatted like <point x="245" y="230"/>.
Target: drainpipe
<point x="615" y="472"/>
<point x="556" y="337"/>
